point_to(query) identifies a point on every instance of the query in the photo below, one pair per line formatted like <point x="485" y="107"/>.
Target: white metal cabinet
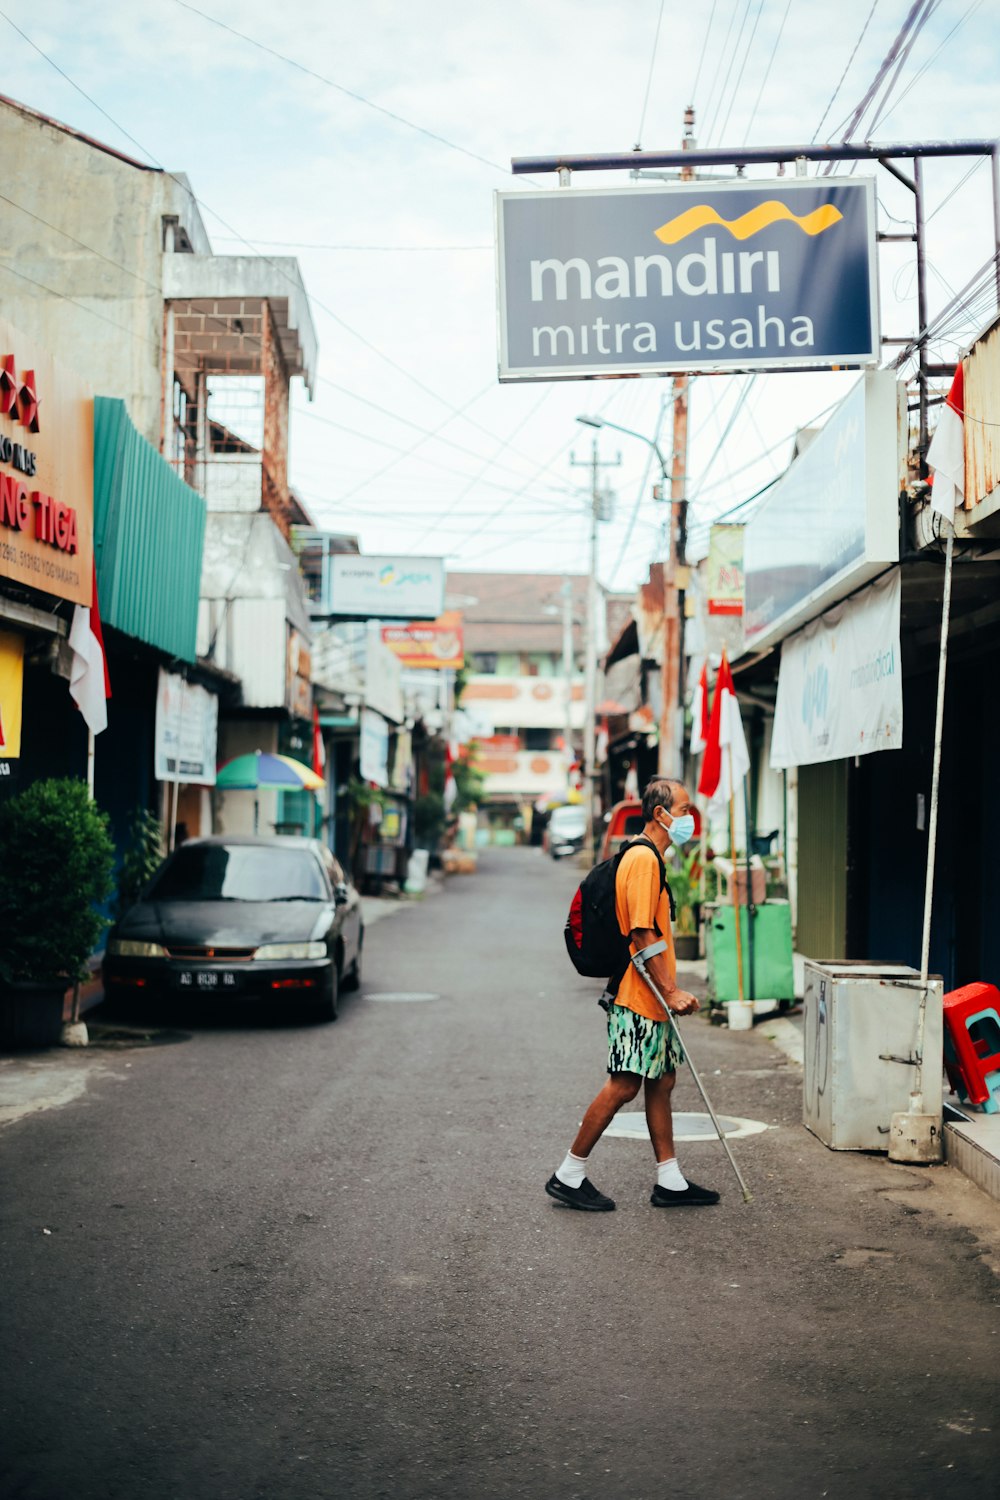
<point x="859" y="1047"/>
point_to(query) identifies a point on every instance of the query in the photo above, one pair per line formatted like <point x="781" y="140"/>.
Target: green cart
<point x="773" y="969"/>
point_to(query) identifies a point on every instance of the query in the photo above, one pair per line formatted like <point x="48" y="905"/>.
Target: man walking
<point x="643" y="1049"/>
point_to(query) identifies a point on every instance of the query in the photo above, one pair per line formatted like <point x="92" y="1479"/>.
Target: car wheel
<point x="326" y="1008"/>
<point x="352" y="979"/>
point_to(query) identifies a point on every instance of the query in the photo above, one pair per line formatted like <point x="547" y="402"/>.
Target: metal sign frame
<point x="690" y="157"/>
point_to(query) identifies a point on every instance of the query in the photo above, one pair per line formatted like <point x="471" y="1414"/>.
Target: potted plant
<point x="681" y="874"/>
<point x="57" y="857"/>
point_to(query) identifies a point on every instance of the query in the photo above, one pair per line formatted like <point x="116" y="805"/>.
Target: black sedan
<point x="242" y="919"/>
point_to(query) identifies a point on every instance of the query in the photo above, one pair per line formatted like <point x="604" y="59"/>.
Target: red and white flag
<point x="726" y="760"/>
<point x="89" y="682"/>
<point x="318" y="747"/>
<point x="946" y="454"/>
<point x="699" y="713"/>
<point x="451" y="753"/>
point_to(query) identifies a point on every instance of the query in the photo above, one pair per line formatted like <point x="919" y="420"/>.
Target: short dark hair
<point x="659" y="793"/>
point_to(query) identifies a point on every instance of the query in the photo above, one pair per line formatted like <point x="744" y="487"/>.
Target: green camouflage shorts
<point x="638" y="1045"/>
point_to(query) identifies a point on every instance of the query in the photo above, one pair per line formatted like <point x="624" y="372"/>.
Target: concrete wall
<point x="88" y="226"/>
<point x="231" y="481"/>
<point x="523" y="702"/>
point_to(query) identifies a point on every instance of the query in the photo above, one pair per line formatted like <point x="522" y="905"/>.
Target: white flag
<point x="735" y="758"/>
<point x="86" y="680"/>
<point x="699" y="714"/>
<point x="946" y="454"/>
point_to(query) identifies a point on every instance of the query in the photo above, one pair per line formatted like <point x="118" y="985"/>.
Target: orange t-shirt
<point x="640" y="903"/>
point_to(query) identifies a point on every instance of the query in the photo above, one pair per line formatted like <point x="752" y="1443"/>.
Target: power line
<point x="847" y="68"/>
<point x="938" y="49"/>
<point x="958" y="186"/>
<point x="477" y="478"/>
<point x="157" y="287"/>
<point x="341" y="88"/>
<point x="320" y="245"/>
<point x="402" y="453"/>
<point x="275" y="266"/>
<point x="929" y="9"/>
<point x="849" y="124"/>
<point x="734" y="91"/>
<point x="732" y="59"/>
<point x="744" y="393"/>
<point x="721" y="54"/>
<point x="704" y="48"/>
<point x="649" y="77"/>
<point x="385" y="411"/>
<point x="767" y="73"/>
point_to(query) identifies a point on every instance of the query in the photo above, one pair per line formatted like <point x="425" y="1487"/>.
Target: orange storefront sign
<point x="46" y="471"/>
<point x="432" y="643"/>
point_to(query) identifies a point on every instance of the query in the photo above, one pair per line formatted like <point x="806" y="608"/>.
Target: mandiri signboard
<point x="386" y="588"/>
<point x="692" y="277"/>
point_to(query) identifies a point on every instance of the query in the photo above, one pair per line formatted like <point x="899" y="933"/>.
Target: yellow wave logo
<point x="761" y="217"/>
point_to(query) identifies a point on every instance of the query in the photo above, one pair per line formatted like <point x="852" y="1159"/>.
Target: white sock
<point x="573" y="1170"/>
<point x="669" y="1175"/>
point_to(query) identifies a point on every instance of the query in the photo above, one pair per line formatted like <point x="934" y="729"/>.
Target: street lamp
<point x="629" y="432"/>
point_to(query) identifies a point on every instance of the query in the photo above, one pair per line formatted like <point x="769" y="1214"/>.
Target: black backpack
<point x="596" y="944"/>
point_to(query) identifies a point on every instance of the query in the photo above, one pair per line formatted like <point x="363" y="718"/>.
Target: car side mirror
<point x="341" y="894"/>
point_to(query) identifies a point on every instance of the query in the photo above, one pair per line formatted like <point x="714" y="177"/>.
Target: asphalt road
<point x="296" y="1263"/>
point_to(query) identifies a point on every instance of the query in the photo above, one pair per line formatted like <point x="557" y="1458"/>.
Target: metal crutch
<point x="639" y="960"/>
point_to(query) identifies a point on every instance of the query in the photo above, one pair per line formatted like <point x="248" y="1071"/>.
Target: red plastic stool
<point x="972" y="1044"/>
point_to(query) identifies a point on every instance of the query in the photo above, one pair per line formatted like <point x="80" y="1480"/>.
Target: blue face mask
<point x="681" y="829"/>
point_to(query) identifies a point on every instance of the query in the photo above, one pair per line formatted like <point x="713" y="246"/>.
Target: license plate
<point x="207" y="979"/>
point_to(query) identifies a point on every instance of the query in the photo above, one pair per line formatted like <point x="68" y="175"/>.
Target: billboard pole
<point x="671" y="756"/>
<point x="595" y="465"/>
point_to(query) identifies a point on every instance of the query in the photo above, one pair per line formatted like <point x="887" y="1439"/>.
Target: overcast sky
<point x="411" y="443"/>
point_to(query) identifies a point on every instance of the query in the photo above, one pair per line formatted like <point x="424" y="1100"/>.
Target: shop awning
<point x="149" y="534"/>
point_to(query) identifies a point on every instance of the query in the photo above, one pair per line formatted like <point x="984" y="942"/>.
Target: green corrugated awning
<point x="149" y="534"/>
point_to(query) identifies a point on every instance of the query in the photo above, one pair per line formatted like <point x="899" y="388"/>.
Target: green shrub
<point x="141" y="859"/>
<point x="57" y="857"/>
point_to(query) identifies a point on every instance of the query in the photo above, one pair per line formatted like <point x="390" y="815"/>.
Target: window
<point x="239" y="872"/>
<point x="537" y="739"/>
<point x="484" y="662"/>
<point x="541" y="664"/>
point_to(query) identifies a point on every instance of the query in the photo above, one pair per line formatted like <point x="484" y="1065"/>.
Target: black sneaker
<point x="585" y="1196"/>
<point x="692" y="1196"/>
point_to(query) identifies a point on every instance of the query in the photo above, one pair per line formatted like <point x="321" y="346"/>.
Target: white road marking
<point x="631" y="1125"/>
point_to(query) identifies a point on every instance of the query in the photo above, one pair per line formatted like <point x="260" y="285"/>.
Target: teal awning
<point x="149" y="534"/>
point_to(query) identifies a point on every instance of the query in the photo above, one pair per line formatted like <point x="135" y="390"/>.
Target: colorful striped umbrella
<point x="246" y="773"/>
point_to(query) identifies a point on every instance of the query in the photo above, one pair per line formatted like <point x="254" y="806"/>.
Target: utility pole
<point x="595" y="466"/>
<point x="567" y="665"/>
<point x="670" y="761"/>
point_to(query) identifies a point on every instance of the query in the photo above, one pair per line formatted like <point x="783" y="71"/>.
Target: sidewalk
<point x="971" y="1138"/>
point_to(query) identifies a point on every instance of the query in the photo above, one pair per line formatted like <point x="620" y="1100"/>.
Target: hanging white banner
<point x="374" y="748"/>
<point x="840" y="687"/>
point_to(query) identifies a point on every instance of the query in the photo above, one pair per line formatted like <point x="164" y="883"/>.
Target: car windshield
<point x="239" y="872"/>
